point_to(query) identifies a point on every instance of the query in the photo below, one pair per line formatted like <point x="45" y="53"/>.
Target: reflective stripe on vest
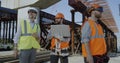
<point x="96" y="34"/>
<point x="25" y="30"/>
<point x="27" y="34"/>
<point x="97" y="41"/>
<point x="27" y="41"/>
<point x="25" y="25"/>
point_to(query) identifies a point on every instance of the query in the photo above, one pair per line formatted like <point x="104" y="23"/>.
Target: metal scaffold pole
<point x="72" y="39"/>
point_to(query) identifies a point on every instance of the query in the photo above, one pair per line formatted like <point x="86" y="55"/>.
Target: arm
<point x="89" y="55"/>
<point x="16" y="39"/>
<point x="38" y="33"/>
<point x="17" y="36"/>
<point x="49" y="36"/>
<point x="86" y="31"/>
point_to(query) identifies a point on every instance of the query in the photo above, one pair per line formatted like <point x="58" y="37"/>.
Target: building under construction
<point x="8" y="28"/>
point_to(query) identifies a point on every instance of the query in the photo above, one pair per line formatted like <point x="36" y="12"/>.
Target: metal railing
<point x="8" y="26"/>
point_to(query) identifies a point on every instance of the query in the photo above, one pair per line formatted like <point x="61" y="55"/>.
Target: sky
<point x="64" y="8"/>
<point x="115" y="9"/>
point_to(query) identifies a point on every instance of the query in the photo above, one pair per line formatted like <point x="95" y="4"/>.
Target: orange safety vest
<point x="62" y="44"/>
<point x="97" y="42"/>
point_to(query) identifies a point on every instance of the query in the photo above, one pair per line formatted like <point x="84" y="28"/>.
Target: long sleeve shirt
<point x="19" y="32"/>
<point x="86" y="31"/>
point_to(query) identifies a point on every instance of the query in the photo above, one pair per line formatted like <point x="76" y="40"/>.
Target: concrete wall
<point x="16" y="3"/>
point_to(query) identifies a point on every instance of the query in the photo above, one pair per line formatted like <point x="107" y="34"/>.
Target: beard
<point x="57" y="22"/>
<point x="98" y="15"/>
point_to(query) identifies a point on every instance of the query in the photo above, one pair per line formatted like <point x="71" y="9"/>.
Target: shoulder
<point x="86" y="24"/>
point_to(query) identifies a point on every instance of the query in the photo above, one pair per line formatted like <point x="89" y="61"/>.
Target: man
<point x="59" y="44"/>
<point x="27" y="39"/>
<point x="93" y="41"/>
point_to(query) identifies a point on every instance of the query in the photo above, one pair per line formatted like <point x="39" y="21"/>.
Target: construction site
<point x="12" y="10"/>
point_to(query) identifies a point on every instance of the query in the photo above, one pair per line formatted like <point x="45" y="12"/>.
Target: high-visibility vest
<point x="62" y="44"/>
<point x="27" y="41"/>
<point x="97" y="42"/>
<point x="59" y="47"/>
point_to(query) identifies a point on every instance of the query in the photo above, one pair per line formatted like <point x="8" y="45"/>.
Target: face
<point x="58" y="20"/>
<point x="32" y="15"/>
<point x="97" y="14"/>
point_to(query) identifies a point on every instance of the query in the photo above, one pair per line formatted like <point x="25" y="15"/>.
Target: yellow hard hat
<point x="59" y="15"/>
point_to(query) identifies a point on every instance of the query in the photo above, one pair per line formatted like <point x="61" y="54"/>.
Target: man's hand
<point x="41" y="49"/>
<point x="35" y="35"/>
<point x="57" y="39"/>
<point x="15" y="52"/>
<point x="90" y="59"/>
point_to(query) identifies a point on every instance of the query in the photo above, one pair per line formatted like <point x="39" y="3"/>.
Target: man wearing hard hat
<point x="93" y="41"/>
<point x="27" y="38"/>
<point x="59" y="44"/>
